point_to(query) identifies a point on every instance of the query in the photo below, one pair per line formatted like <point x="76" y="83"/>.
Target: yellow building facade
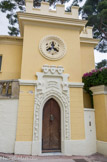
<point x="44" y="67"/>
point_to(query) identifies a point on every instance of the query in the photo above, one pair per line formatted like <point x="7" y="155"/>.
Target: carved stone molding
<point x="52" y="47"/>
<point x="52" y="83"/>
<point x="43" y="97"/>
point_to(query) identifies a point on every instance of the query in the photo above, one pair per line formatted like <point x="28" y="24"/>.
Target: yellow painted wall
<point x="87" y="57"/>
<point x="100" y="105"/>
<point x="32" y="62"/>
<point x="88" y="64"/>
<point x="77" y="114"/>
<point x="32" y="59"/>
<point x="11" y="61"/>
<point x="25" y="114"/>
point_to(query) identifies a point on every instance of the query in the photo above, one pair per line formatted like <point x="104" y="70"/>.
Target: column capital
<point x="102" y="89"/>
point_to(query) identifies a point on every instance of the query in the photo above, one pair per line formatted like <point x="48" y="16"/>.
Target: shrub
<point x="94" y="78"/>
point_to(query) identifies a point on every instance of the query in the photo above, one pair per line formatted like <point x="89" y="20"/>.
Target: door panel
<point x="51" y="138"/>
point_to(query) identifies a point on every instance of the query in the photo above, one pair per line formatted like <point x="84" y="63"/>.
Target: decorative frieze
<point x="52" y="69"/>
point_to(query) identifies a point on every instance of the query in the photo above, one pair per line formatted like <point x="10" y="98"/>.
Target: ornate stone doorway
<point x="51" y="127"/>
<point x="51" y="84"/>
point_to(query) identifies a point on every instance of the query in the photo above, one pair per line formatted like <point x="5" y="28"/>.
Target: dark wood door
<point x="51" y="134"/>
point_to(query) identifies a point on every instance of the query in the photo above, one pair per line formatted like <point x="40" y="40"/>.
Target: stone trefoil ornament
<point x="52" y="47"/>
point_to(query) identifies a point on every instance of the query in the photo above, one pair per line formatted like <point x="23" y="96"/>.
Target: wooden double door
<point x="51" y="130"/>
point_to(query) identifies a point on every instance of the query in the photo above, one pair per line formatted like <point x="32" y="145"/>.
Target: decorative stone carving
<point x="45" y="68"/>
<point x="52" y="69"/>
<point x="52" y="47"/>
<point x="39" y="85"/>
<point x="66" y="105"/>
<point x="65" y="86"/>
<point x="52" y="83"/>
<point x="60" y="69"/>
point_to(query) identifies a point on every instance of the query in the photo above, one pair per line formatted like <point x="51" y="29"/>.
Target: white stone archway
<point x="51" y="83"/>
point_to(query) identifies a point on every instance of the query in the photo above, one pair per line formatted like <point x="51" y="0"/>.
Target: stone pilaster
<point x="100" y="105"/>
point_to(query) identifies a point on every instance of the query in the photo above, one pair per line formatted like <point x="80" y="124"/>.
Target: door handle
<point x="51" y="117"/>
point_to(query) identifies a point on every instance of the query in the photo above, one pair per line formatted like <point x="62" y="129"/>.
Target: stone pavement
<point x="20" y="158"/>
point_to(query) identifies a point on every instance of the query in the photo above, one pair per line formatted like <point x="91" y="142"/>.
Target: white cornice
<point x="11" y="40"/>
<point x="99" y="90"/>
<point x="76" y="85"/>
<point x="34" y="18"/>
<point x="89" y="41"/>
<point x="89" y="109"/>
<point x="34" y="83"/>
<point x="27" y="82"/>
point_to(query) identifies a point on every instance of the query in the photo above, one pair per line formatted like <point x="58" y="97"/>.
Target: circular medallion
<point x="52" y="47"/>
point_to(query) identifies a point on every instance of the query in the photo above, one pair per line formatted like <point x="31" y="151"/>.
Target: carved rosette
<point x="52" y="47"/>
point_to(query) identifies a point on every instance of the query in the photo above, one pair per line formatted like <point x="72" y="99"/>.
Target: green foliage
<point x="19" y="5"/>
<point x="13" y="31"/>
<point x="7" y="6"/>
<point x="95" y="11"/>
<point x="94" y="78"/>
<point x="96" y="14"/>
<point x="101" y="64"/>
<point x="76" y="2"/>
<point x="11" y="7"/>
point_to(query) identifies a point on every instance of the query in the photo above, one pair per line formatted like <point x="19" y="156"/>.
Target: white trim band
<point x="99" y="90"/>
<point x="72" y="147"/>
<point x="34" y="82"/>
<point x="27" y="82"/>
<point x="89" y="40"/>
<point x="102" y="147"/>
<point x="76" y="85"/>
<point x="89" y="109"/>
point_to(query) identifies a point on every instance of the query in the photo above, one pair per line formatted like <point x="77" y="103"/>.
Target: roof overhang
<point x="90" y="41"/>
<point x="4" y="39"/>
<point x="30" y="18"/>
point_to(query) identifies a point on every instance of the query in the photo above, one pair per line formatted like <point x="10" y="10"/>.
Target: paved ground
<point x="21" y="158"/>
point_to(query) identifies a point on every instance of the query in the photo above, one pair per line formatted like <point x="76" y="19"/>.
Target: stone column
<point x="15" y="89"/>
<point x="100" y="105"/>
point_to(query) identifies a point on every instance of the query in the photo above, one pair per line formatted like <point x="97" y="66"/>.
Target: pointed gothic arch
<point x="51" y="83"/>
<point x="51" y="127"/>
